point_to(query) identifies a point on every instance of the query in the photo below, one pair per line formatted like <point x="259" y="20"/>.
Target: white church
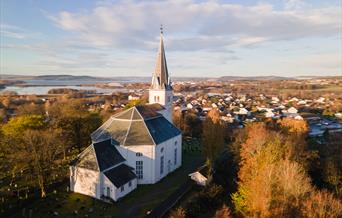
<point x="137" y="146"/>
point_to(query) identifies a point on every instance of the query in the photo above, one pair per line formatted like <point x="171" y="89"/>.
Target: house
<point x="269" y="114"/>
<point x="139" y="145"/>
<point x="292" y="110"/>
<point x="132" y="97"/>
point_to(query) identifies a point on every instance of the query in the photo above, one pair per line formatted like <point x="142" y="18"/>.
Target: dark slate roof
<point x="150" y="110"/>
<point x="87" y="159"/>
<point x="98" y="156"/>
<point x="161" y="129"/>
<point x="139" y="125"/>
<point x="120" y="175"/>
<point x="107" y="155"/>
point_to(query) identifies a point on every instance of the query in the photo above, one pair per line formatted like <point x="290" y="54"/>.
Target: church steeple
<point x="160" y="78"/>
<point x="161" y="90"/>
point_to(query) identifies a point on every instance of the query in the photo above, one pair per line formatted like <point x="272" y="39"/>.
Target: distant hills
<point x="146" y="79"/>
<point x="225" y="78"/>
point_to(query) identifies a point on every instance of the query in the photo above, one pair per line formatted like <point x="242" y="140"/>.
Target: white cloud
<point x="196" y="25"/>
<point x="11" y="31"/>
<point x="16" y="32"/>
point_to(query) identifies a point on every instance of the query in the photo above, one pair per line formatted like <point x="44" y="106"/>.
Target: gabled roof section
<point x="139" y="125"/>
<point x="120" y="175"/>
<point x="160" y="78"/>
<point x="86" y="159"/>
<point x="107" y="155"/>
<point x="98" y="157"/>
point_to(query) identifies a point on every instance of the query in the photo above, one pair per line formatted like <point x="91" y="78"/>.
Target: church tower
<point x="161" y="90"/>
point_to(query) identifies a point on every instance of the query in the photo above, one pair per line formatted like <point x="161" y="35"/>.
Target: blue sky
<point x="203" y="38"/>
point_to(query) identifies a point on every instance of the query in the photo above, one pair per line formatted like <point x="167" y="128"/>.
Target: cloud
<point x="15" y="32"/>
<point x="294" y="4"/>
<point x="192" y="25"/>
<point x="11" y="31"/>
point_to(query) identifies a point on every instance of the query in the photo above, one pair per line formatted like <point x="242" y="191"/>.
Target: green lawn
<point x="136" y="204"/>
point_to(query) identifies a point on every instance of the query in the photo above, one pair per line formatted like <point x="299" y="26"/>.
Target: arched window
<point x="157" y="98"/>
<point x="138" y="154"/>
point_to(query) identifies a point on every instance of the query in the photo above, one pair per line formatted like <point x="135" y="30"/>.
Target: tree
<point x="322" y="204"/>
<point x="294" y="126"/>
<point x="30" y="109"/>
<point x="133" y="103"/>
<point x="75" y="122"/>
<point x="224" y="212"/>
<point x="178" y="213"/>
<point x="213" y="138"/>
<point x="40" y="150"/>
<point x="192" y="125"/>
<point x="272" y="181"/>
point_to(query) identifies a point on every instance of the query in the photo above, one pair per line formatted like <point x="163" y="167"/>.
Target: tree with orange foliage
<point x="224" y="212"/>
<point x="272" y="180"/>
<point x="294" y="126"/>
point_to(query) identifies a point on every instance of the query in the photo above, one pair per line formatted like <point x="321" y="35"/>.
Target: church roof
<point x="160" y="78"/>
<point x="86" y="159"/>
<point x="98" y="156"/>
<point x="120" y="175"/>
<point x="107" y="155"/>
<point x="139" y="125"/>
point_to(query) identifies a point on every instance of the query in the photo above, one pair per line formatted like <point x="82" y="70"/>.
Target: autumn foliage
<point x="273" y="180"/>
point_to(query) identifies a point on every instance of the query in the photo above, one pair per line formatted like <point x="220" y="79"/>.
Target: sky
<point x="202" y="38"/>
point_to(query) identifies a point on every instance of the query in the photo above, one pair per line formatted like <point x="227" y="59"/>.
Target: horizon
<point x="213" y="77"/>
<point x="205" y="40"/>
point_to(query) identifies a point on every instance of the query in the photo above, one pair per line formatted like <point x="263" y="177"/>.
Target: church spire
<point x="160" y="79"/>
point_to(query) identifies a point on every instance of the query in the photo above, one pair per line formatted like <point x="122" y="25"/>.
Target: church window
<point x="129" y="183"/>
<point x="176" y="142"/>
<point x="122" y="188"/>
<point x="108" y="192"/>
<point x="175" y="159"/>
<point x="161" y="150"/>
<point x="139" y="169"/>
<point x="169" y="99"/>
<point x="138" y="154"/>
<point x="157" y="98"/>
<point x="161" y="165"/>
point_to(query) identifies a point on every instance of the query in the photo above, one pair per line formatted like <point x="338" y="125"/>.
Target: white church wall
<point x="164" y="98"/>
<point x="147" y="151"/>
<point x="115" y="192"/>
<point x="168" y="153"/>
<point x="85" y="181"/>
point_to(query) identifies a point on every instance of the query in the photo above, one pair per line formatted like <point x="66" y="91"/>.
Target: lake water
<point x="41" y="87"/>
<point x="42" y="90"/>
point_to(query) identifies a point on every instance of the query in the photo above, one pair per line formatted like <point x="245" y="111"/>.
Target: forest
<point x="267" y="169"/>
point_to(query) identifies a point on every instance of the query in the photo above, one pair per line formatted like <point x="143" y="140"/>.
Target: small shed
<point x="200" y="176"/>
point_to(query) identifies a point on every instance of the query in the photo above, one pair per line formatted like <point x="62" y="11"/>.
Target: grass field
<point x="331" y="88"/>
<point x="144" y="198"/>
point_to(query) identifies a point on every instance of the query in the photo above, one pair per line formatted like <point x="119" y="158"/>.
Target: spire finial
<point x="161" y="28"/>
